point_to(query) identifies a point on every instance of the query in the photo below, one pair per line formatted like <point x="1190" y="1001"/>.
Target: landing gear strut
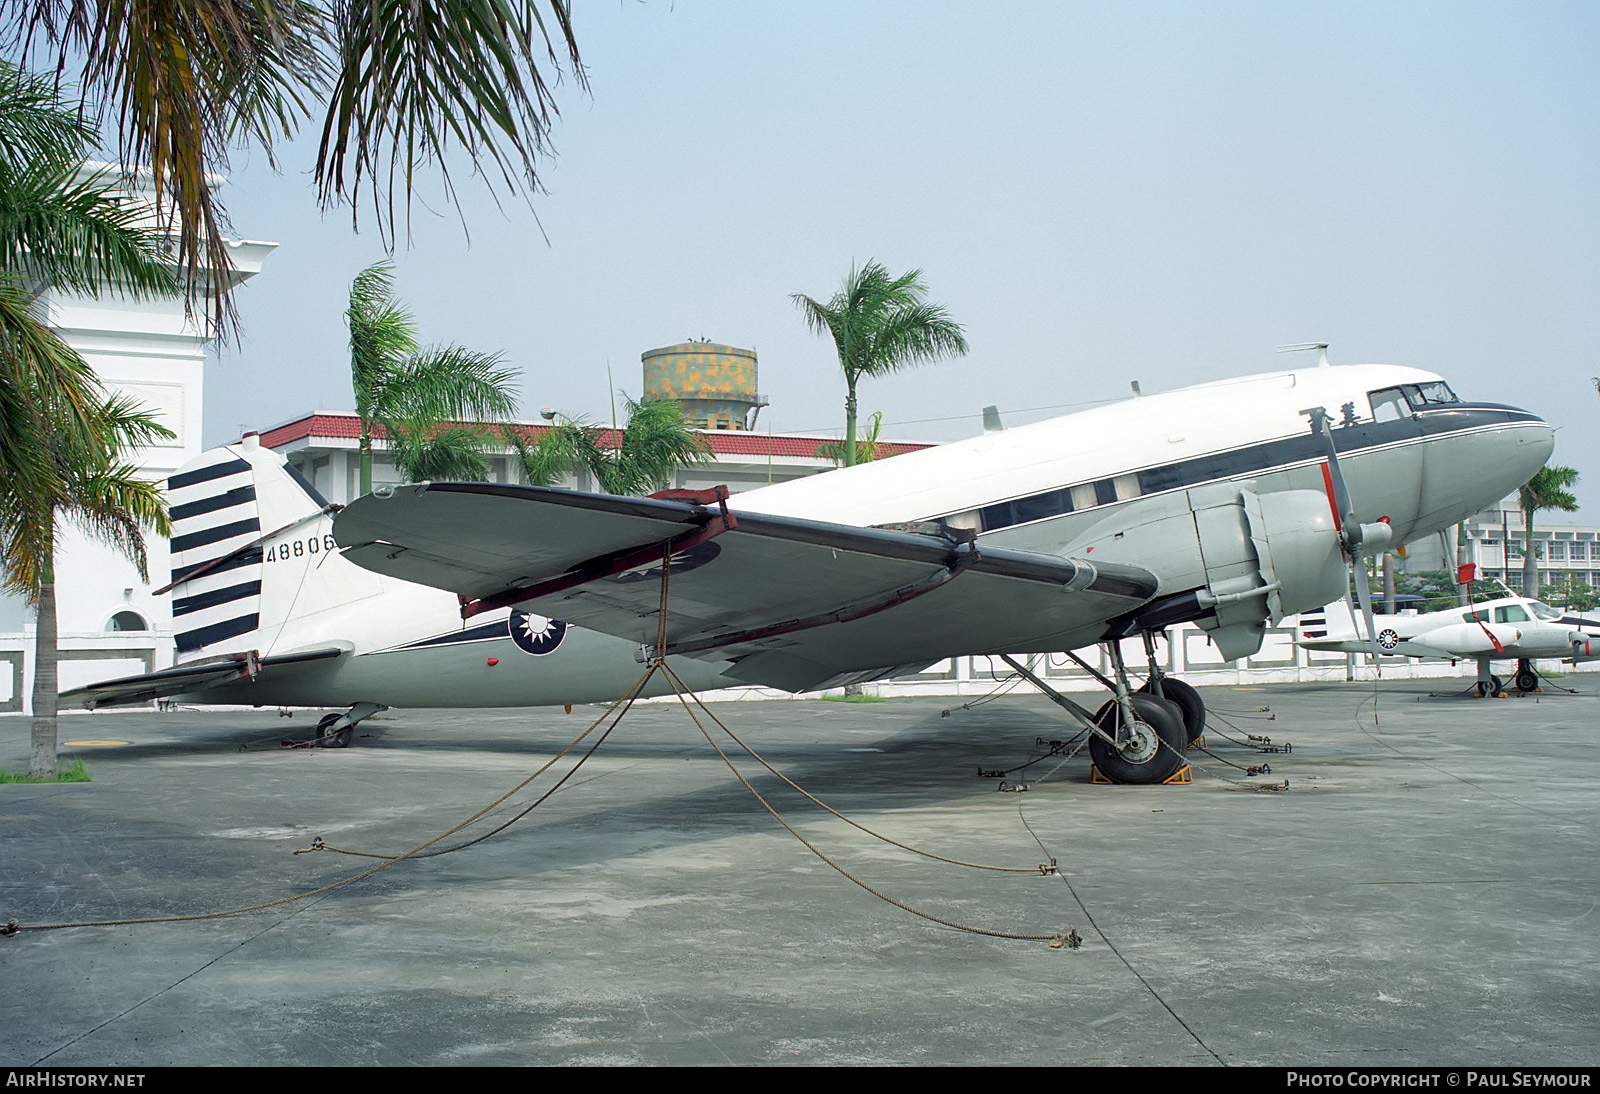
<point x="1488" y="683"/>
<point x="1135" y="737"/>
<point x="1175" y="691"/>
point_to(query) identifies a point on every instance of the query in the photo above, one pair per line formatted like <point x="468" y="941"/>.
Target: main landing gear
<point x="1136" y="737"/>
<point x="338" y="730"/>
<point x="1525" y="680"/>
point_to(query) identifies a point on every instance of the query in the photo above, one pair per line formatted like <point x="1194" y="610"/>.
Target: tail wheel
<point x="1188" y="702"/>
<point x="1156" y="753"/>
<point x="328" y="737"/>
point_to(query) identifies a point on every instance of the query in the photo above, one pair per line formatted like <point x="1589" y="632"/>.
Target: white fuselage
<point x="1504" y="629"/>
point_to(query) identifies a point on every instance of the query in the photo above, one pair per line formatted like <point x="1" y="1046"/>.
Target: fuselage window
<point x="1105" y="492"/>
<point x="1510" y="614"/>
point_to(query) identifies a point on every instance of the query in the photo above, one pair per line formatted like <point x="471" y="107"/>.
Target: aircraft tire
<point x="1527" y="680"/>
<point x="1496" y="685"/>
<point x="1164" y="739"/>
<point x="338" y="739"/>
<point x="1188" y="702"/>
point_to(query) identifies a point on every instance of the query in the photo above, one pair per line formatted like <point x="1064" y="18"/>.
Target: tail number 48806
<point x="300" y="548"/>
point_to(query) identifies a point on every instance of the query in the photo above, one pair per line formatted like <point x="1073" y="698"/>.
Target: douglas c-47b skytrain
<point x="1232" y="504"/>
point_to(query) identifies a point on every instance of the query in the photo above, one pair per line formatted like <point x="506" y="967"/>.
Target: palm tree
<point x="880" y="324"/>
<point x="638" y="459"/>
<point x="59" y="227"/>
<point x="399" y="86"/>
<point x="110" y="501"/>
<point x="405" y="389"/>
<point x="60" y="438"/>
<point x="1546" y="490"/>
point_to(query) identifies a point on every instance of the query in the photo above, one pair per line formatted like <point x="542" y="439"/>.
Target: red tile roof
<point x="723" y="442"/>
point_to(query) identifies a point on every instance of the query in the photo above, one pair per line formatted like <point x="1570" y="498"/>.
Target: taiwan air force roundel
<point x="534" y="633"/>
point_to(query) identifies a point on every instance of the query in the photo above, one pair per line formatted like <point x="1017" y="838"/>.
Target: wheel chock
<point x="1199" y="742"/>
<point x="1181" y="777"/>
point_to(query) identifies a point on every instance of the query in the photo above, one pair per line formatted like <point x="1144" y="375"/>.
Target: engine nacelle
<point x="1233" y="566"/>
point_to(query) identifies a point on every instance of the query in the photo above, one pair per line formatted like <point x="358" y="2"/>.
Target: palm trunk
<point x="45" y="680"/>
<point x="850" y="425"/>
<point x="364" y="459"/>
<point x="1530" y="564"/>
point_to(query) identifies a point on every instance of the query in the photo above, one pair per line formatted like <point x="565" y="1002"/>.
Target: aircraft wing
<point x="187" y="679"/>
<point x="793" y="603"/>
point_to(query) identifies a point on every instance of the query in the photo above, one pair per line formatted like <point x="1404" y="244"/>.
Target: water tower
<point x="715" y="384"/>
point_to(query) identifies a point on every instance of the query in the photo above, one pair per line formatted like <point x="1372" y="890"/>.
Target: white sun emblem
<point x="534" y="633"/>
<point x="1388" y="639"/>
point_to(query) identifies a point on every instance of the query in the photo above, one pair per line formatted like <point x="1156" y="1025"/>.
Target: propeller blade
<point x="1344" y="512"/>
<point x="1364" y="594"/>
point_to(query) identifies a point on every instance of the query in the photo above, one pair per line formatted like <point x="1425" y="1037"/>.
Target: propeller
<point x="1357" y="540"/>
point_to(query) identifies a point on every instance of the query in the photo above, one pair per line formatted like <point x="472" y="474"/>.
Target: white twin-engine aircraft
<point x="1232" y="504"/>
<point x="1509" y="629"/>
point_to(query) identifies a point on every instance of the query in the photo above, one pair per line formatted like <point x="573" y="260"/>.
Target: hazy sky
<point x="1098" y="192"/>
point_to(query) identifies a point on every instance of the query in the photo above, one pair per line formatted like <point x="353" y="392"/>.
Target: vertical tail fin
<point x="230" y="509"/>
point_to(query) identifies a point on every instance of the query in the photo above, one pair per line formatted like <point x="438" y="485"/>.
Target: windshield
<point x="1434" y="393"/>
<point x="1544" y="612"/>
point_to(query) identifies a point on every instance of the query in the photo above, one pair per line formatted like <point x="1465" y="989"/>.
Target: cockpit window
<point x="1544" y="612"/>
<point x="1389" y="405"/>
<point x="1393" y="403"/>
<point x="1511" y="613"/>
<point x="1435" y="392"/>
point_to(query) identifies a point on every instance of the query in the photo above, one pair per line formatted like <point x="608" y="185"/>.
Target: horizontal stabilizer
<point x="187" y="679"/>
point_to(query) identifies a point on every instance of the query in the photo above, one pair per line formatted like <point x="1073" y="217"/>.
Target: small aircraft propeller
<point x="1356" y="539"/>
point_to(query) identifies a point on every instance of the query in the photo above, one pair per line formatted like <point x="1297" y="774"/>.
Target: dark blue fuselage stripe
<point x="186" y="604"/>
<point x="244" y="558"/>
<point x="214" y="535"/>
<point x="1284" y="452"/>
<point x="500" y="629"/>
<point x="205" y="636"/>
<point x="206" y="474"/>
<point x="237" y="496"/>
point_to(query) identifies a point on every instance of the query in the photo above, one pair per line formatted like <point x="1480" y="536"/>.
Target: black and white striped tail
<point x="216" y="553"/>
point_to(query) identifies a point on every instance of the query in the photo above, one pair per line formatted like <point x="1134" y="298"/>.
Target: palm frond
<point x="457" y="453"/>
<point x="80" y="234"/>
<point x="400" y="85"/>
<point x="413" y="81"/>
<point x="35" y="129"/>
<point x="560" y="451"/>
<point x="654" y="445"/>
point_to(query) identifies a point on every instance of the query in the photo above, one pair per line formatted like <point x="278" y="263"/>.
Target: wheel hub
<point x="1142" y="745"/>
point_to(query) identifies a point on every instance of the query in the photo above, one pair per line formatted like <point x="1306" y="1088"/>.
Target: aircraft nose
<point x="1514" y="453"/>
<point x="1493" y="450"/>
